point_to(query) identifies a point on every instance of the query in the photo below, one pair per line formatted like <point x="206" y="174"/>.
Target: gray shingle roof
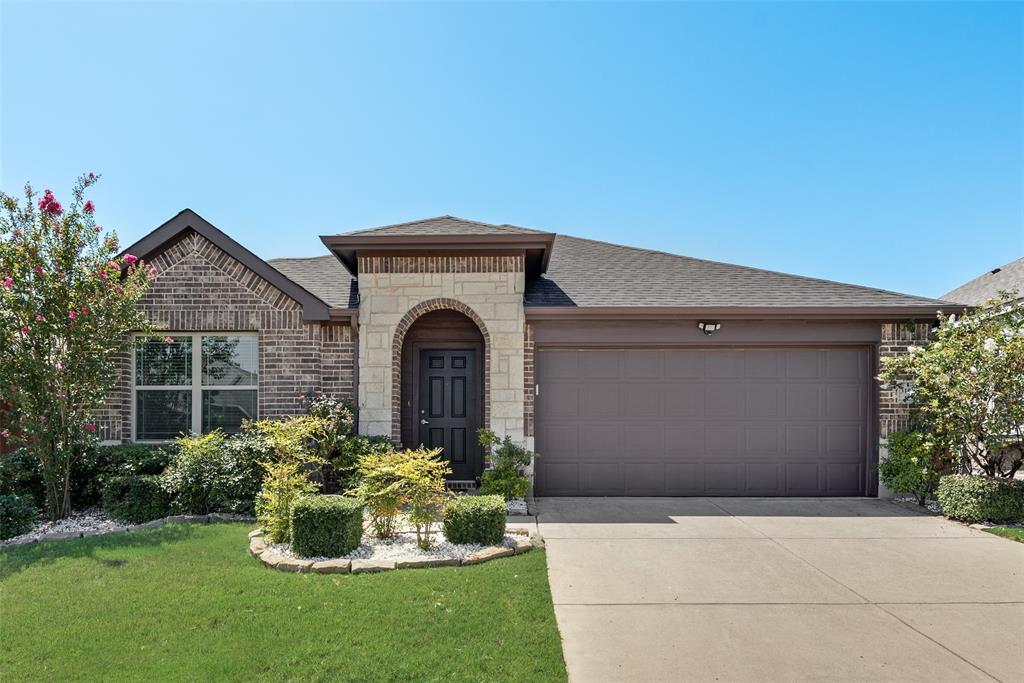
<point x="588" y="273"/>
<point x="322" y="276"/>
<point x="982" y="288"/>
<point x="443" y="225"/>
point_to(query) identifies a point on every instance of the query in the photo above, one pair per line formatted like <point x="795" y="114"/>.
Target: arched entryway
<point x="441" y="371"/>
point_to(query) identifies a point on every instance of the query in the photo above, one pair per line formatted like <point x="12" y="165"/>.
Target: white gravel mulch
<point x="516" y="506"/>
<point x="401" y="547"/>
<point x="91" y="521"/>
<point x="931" y="505"/>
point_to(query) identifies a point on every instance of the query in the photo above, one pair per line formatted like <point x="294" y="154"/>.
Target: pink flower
<point x="8" y="282"/>
<point x="49" y="204"/>
<point x="39" y="271"/>
<point x="89" y="207"/>
<point x="97" y="228"/>
<point x="40" y="318"/>
<point x="5" y="434"/>
<point x="91" y="176"/>
<point x="115" y="265"/>
<point x="72" y="315"/>
<point x="130" y="260"/>
<point x="152" y="271"/>
<point x="85" y="310"/>
<point x="103" y="274"/>
<point x="24" y="331"/>
<point x="90" y="428"/>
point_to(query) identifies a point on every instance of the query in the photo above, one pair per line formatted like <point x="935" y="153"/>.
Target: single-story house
<point x="1009" y="278"/>
<point x="632" y="372"/>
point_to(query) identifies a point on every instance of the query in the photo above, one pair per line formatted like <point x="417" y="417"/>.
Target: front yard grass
<point x="188" y="603"/>
<point x="1014" y="533"/>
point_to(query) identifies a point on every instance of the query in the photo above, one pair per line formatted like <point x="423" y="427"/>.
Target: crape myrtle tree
<point x="966" y="387"/>
<point x="67" y="308"/>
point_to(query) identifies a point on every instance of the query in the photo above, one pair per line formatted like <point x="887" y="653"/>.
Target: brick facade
<point x="200" y="288"/>
<point x="897" y="338"/>
<point x="441" y="264"/>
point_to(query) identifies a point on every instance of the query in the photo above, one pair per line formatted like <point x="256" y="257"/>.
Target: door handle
<point x="424" y="422"/>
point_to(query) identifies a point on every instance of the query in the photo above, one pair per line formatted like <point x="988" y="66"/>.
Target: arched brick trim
<point x="422" y="308"/>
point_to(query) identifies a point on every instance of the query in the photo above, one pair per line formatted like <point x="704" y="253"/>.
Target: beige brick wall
<point x="201" y="288"/>
<point x="494" y="298"/>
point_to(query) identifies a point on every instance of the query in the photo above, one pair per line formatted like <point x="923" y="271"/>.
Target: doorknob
<point x="424" y="422"/>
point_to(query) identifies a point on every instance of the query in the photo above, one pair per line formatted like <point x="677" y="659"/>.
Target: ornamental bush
<point x="475" y="519"/>
<point x="90" y="472"/>
<point x="20" y="475"/>
<point x="17" y="516"/>
<point x="326" y="526"/>
<point x="136" y="498"/>
<point x="913" y="465"/>
<point x="506" y="460"/>
<point x="212" y="473"/>
<point x="975" y="499"/>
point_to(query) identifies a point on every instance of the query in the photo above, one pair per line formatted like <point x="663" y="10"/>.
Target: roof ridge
<point x="448" y="216"/>
<point x="760" y="270"/>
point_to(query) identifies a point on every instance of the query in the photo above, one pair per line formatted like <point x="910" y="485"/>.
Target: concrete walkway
<point x="731" y="589"/>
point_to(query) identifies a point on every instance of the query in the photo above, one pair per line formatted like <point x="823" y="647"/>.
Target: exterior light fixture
<point x="709" y="327"/>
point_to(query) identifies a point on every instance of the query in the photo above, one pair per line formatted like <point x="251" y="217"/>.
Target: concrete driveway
<point x="731" y="589"/>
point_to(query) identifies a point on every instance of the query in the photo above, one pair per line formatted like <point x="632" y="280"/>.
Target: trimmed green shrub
<point x="17" y="516"/>
<point x="506" y="460"/>
<point x="212" y="473"/>
<point x="20" y="475"/>
<point x="913" y="465"/>
<point x="136" y="498"/>
<point x="475" y="519"/>
<point x="91" y="470"/>
<point x="327" y="526"/>
<point x="981" y="499"/>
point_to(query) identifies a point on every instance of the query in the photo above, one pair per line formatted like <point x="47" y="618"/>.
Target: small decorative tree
<point x="506" y="461"/>
<point x="67" y="308"/>
<point x="966" y="387"/>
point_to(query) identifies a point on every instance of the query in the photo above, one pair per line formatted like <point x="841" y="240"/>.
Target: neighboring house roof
<point x="187" y="220"/>
<point x="324" y="276"/>
<point x="587" y="273"/>
<point x="443" y="225"/>
<point x="1009" y="278"/>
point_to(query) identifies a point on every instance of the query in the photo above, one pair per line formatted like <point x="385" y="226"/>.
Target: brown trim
<point x="537" y="246"/>
<point x="313" y="308"/>
<point x="879" y="313"/>
<point x="351" y="315"/>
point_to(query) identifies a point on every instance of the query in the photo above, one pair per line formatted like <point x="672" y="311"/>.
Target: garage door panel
<point x="604" y="479"/>
<point x="703" y="421"/>
<point x="644" y="479"/>
<point x="599" y="399"/>
<point x="762" y="479"/>
<point x="684" y="364"/>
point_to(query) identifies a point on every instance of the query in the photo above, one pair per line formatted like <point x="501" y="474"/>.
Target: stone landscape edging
<point x="128" y="528"/>
<point x="274" y="560"/>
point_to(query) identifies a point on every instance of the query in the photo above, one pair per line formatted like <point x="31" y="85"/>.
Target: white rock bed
<point x="930" y="505"/>
<point x="87" y="522"/>
<point x="399" y="548"/>
<point x="517" y="506"/>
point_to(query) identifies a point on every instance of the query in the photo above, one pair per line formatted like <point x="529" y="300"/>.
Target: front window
<point x="194" y="383"/>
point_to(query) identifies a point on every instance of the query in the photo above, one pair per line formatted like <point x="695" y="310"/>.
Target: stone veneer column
<point x="893" y="411"/>
<point x="490" y="287"/>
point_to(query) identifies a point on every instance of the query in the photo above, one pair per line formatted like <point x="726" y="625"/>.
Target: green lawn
<point x="1014" y="533"/>
<point x="188" y="603"/>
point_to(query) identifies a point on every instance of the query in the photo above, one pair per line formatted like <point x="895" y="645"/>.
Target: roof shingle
<point x="984" y="287"/>
<point x="443" y="225"/>
<point x="321" y="276"/>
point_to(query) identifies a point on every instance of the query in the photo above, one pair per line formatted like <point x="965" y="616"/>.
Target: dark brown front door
<point x="449" y="410"/>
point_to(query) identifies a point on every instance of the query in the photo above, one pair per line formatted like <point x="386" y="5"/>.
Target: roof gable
<point x="442" y="225"/>
<point x="187" y="220"/>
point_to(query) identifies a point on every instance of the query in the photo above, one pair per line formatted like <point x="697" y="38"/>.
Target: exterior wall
<point x="893" y="412"/>
<point x="201" y="288"/>
<point x="395" y="290"/>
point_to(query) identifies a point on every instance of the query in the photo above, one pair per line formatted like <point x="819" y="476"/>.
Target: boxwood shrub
<point x="475" y="519"/>
<point x="17" y="516"/>
<point x="981" y="499"/>
<point x="135" y="498"/>
<point x="326" y="526"/>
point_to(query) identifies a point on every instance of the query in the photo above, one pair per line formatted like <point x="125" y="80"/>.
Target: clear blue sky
<point x="881" y="144"/>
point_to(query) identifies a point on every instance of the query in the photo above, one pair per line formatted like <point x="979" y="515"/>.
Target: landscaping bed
<point x="184" y="602"/>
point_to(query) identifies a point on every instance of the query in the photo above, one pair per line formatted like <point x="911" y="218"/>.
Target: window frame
<point x="196" y="388"/>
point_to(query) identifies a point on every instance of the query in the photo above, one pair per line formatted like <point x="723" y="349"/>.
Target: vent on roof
<point x="996" y="270"/>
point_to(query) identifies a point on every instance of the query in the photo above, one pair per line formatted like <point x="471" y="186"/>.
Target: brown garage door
<point x="679" y="422"/>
